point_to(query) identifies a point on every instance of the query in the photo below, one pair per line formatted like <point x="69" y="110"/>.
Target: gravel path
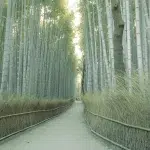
<point x="66" y="132"/>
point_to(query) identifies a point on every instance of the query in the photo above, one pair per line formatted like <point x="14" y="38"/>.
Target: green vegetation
<point x="37" y="62"/>
<point x="36" y="49"/>
<point x="128" y="108"/>
<point x="13" y="115"/>
<point x="116" y="69"/>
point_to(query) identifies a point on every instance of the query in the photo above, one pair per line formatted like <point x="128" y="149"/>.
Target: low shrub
<point x="16" y="105"/>
<point x="121" y="105"/>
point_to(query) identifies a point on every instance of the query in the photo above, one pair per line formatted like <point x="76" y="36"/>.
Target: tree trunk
<point x="117" y="37"/>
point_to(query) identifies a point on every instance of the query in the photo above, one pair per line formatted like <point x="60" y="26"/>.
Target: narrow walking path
<point x="66" y="132"/>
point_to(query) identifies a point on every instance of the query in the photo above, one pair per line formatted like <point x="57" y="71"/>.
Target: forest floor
<point x="66" y="132"/>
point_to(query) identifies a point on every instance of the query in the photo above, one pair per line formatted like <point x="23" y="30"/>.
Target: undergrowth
<point x="15" y="104"/>
<point x="119" y="104"/>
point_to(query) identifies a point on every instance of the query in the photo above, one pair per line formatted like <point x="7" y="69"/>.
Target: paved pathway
<point x="66" y="132"/>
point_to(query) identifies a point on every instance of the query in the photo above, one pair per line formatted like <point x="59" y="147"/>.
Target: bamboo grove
<point x="36" y="51"/>
<point x="116" y="39"/>
<point x="116" y="67"/>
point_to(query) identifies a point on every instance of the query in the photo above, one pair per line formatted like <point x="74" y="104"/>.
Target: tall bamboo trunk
<point x="117" y="38"/>
<point x="8" y="32"/>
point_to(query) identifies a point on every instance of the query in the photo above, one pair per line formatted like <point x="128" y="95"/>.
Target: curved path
<point x="66" y="132"/>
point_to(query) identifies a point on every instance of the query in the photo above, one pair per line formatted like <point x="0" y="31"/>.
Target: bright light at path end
<point x="73" y="8"/>
<point x="78" y="52"/>
<point x="77" y="20"/>
<point x="72" y="5"/>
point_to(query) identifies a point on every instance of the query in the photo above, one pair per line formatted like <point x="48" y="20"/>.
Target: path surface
<point x="66" y="132"/>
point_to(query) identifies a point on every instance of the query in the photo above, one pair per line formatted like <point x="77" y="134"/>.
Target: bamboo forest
<point x="75" y="74"/>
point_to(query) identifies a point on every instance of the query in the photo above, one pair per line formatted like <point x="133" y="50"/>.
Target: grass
<point x="130" y="108"/>
<point x="16" y="104"/>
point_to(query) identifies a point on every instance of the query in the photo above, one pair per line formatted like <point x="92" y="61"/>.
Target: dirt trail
<point x="66" y="132"/>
